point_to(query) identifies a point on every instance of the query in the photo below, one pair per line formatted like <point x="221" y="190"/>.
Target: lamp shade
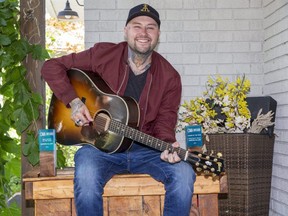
<point x="67" y="13"/>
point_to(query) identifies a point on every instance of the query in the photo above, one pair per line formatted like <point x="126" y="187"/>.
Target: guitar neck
<point x="145" y="139"/>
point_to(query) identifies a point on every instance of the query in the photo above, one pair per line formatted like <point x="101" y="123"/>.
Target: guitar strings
<point x="101" y="122"/>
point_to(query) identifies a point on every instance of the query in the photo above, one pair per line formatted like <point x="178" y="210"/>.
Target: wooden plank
<point x="48" y="163"/>
<point x="59" y="189"/>
<point x="206" y="185"/>
<point x="133" y="185"/>
<point x="162" y="202"/>
<point x="224" y="184"/>
<point x="28" y="190"/>
<point x="123" y="195"/>
<point x="58" y="177"/>
<point x="152" y="206"/>
<point x="119" y="185"/>
<point x="73" y="208"/>
<point x="105" y="206"/>
<point x="54" y="207"/>
<point x="194" y="211"/>
<point x="208" y="204"/>
<point x="123" y="206"/>
<point x="32" y="28"/>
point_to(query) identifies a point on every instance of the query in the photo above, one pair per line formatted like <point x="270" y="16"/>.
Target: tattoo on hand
<point x="75" y="106"/>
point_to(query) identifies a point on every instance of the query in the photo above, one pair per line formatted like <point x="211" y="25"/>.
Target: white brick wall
<point x="276" y="84"/>
<point x="200" y="38"/>
<point x="207" y="37"/>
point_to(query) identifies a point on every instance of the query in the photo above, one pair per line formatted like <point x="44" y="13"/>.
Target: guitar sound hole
<point x="98" y="131"/>
<point x="101" y="122"/>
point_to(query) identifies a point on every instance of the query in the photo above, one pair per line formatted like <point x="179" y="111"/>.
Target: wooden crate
<point x="129" y="194"/>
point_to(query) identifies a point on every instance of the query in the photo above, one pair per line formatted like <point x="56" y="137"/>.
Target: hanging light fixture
<point x="67" y="13"/>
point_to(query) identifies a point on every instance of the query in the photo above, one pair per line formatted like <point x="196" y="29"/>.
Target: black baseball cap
<point x="143" y="10"/>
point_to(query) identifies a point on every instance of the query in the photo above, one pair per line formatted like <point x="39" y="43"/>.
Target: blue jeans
<point x="93" y="168"/>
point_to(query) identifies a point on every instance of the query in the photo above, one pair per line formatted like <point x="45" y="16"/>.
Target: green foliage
<point x="12" y="210"/>
<point x="19" y="105"/>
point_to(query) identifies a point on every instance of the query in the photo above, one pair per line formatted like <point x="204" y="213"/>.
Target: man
<point x="133" y="69"/>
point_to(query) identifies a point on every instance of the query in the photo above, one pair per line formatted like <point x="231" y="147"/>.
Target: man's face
<point x="142" y="34"/>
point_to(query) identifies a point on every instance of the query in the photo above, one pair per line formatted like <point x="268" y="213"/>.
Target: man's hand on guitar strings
<point x="171" y="157"/>
<point x="80" y="113"/>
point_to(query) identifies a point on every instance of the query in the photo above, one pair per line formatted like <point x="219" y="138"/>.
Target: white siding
<point x="276" y="84"/>
<point x="206" y="37"/>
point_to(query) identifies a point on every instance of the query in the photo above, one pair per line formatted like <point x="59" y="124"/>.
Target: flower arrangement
<point x="222" y="109"/>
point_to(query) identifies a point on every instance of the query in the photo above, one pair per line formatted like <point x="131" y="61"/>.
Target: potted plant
<point x="223" y="113"/>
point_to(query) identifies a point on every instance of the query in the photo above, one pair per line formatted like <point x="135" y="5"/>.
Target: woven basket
<point x="248" y="164"/>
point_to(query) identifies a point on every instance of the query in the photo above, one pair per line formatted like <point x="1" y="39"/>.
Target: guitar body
<point x="98" y="98"/>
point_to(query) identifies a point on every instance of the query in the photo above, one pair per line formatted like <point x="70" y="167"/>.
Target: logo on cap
<point x="145" y="8"/>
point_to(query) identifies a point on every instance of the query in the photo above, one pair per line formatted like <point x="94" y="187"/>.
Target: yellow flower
<point x="229" y="98"/>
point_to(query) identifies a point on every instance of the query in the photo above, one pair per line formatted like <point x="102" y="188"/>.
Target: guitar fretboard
<point x="143" y="138"/>
<point x="117" y="127"/>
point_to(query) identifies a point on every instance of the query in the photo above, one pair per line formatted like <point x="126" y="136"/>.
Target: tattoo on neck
<point x="139" y="63"/>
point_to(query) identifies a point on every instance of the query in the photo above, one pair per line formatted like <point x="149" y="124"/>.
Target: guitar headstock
<point x="205" y="163"/>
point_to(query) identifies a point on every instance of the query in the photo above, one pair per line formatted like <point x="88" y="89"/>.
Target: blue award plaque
<point x="193" y="134"/>
<point x="47" y="147"/>
<point x="47" y="140"/>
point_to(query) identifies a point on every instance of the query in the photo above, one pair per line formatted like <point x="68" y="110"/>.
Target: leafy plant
<point x="19" y="106"/>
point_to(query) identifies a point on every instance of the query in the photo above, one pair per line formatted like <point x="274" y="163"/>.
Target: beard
<point x="142" y="52"/>
<point x="142" y="49"/>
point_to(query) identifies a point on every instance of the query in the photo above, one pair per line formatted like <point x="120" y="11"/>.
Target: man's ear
<point x="125" y="32"/>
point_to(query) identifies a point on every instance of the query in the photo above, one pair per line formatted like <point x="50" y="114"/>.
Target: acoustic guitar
<point x="115" y="121"/>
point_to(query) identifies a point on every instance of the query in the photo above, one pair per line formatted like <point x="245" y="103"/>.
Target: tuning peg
<point x="198" y="169"/>
<point x="204" y="167"/>
<point x="199" y="155"/>
<point x="215" y="160"/>
<point x="212" y="170"/>
<point x="219" y="155"/>
<point x="208" y="157"/>
<point x="206" y="171"/>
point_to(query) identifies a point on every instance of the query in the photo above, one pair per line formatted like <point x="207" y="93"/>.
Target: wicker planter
<point x="248" y="164"/>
